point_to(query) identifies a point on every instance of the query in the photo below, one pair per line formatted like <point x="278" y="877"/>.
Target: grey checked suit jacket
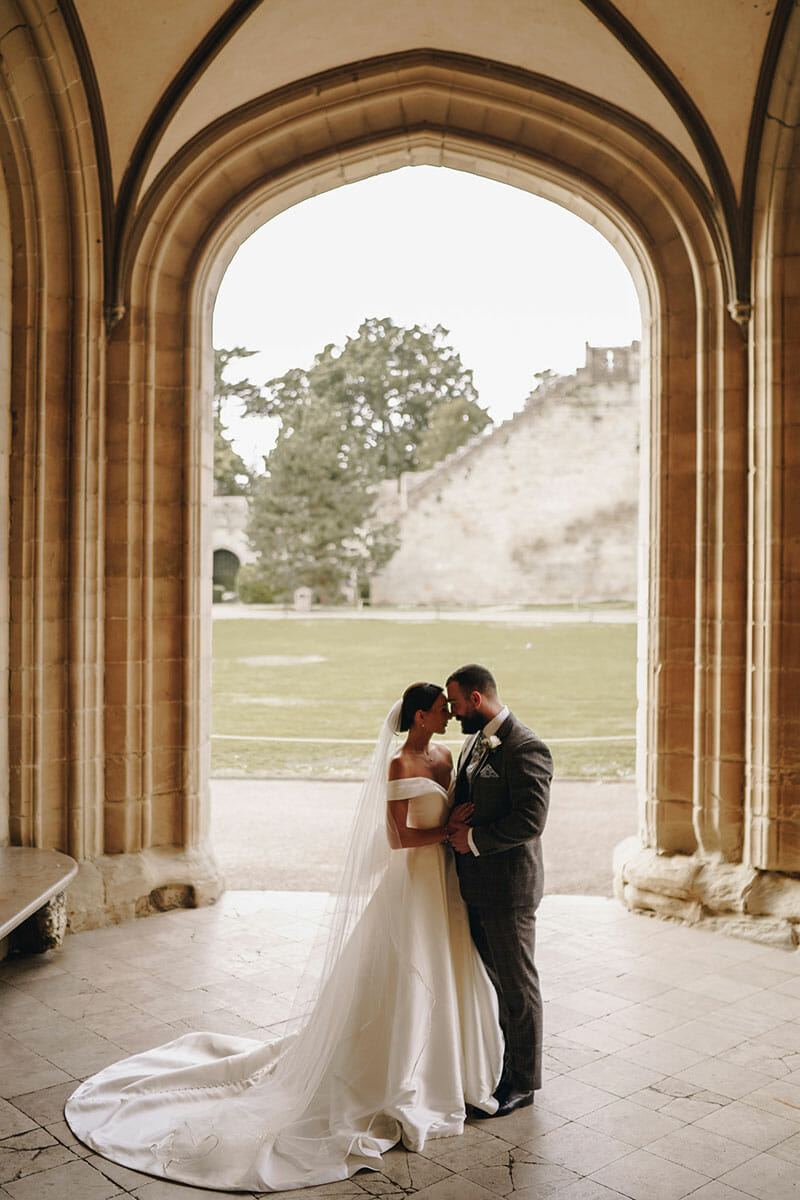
<point x="510" y="789"/>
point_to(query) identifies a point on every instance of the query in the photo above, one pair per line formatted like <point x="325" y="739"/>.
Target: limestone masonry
<point x="563" y="477"/>
<point x="141" y="146"/>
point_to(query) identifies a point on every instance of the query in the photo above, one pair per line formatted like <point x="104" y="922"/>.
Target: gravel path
<point x="289" y="834"/>
<point x="566" y="615"/>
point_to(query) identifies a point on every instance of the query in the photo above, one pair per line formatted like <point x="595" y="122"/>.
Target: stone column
<point x="773" y="825"/>
<point x="6" y="255"/>
<point x="720" y="588"/>
<point x="743" y="878"/>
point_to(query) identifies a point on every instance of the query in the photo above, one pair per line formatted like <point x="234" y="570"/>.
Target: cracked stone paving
<point x="672" y="1055"/>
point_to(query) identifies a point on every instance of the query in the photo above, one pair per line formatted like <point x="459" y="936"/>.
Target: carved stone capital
<point x="741" y="311"/>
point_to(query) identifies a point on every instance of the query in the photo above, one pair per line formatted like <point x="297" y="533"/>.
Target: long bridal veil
<point x="235" y="1113"/>
<point x="313" y="1100"/>
<point x="368" y="852"/>
<point x="328" y="994"/>
<point x="397" y="1031"/>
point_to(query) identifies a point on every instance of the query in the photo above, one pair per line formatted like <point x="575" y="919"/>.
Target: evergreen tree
<point x="231" y="475"/>
<point x="356" y="417"/>
<point x="312" y="513"/>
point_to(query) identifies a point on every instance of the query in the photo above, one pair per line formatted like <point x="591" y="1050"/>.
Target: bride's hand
<point x="461" y="814"/>
<point x="459" y="838"/>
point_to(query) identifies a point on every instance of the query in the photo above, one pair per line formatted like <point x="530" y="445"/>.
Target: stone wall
<point x="543" y="509"/>
<point x="229" y="517"/>
<point x="106" y="369"/>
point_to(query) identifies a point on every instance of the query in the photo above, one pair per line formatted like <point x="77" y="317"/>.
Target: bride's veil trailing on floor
<point x="344" y="988"/>
<point x="398" y="1031"/>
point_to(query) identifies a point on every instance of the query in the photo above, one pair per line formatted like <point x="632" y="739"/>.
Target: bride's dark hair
<point x="417" y="696"/>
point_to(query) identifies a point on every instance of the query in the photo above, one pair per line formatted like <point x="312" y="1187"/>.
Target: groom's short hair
<point x="474" y="678"/>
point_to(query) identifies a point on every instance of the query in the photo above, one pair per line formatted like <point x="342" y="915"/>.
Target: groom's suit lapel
<point x="466" y="752"/>
<point x="482" y="755"/>
<point x="478" y="757"/>
<point x="475" y="757"/>
<point x="462" y="788"/>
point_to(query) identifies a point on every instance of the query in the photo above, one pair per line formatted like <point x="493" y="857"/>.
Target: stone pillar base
<point x="117" y="887"/>
<point x="763" y="906"/>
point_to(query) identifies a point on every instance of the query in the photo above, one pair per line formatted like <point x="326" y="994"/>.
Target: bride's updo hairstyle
<point x="417" y="696"/>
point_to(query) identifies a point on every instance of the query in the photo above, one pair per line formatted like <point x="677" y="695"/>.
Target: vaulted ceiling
<point x="696" y="73"/>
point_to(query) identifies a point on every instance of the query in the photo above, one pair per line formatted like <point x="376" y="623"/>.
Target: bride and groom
<point x="427" y="1004"/>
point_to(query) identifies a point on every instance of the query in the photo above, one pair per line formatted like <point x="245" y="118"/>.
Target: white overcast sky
<point x="520" y="283"/>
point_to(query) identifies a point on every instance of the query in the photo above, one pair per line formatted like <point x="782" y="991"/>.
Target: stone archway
<point x="226" y="568"/>
<point x="107" y="483"/>
<point x="434" y="108"/>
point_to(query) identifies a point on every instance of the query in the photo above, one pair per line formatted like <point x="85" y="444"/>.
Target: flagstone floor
<point x="673" y="1055"/>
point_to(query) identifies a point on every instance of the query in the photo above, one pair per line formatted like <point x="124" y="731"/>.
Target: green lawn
<point x="333" y="678"/>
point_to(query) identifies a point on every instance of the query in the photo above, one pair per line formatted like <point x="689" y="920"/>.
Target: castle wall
<point x="229" y="515"/>
<point x="541" y="510"/>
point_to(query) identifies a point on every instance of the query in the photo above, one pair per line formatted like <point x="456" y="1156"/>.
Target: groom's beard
<point x="473" y="723"/>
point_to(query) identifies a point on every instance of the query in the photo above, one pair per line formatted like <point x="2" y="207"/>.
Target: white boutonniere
<point x="490" y="743"/>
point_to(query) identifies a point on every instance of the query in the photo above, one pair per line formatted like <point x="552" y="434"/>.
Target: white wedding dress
<point x="404" y="1032"/>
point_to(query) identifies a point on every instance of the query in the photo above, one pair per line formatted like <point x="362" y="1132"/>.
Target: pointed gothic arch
<point x="447" y="110"/>
<point x="109" y="470"/>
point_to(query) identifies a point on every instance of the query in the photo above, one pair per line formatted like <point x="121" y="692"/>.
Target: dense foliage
<point x="387" y="402"/>
<point x="383" y="388"/>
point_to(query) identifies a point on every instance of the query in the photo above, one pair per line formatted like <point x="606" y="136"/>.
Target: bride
<point x="402" y="1036"/>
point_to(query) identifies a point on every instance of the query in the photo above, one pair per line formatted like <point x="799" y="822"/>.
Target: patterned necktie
<point x="462" y="779"/>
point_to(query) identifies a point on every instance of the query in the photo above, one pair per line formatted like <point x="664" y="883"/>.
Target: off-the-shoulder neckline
<point x="420" y="779"/>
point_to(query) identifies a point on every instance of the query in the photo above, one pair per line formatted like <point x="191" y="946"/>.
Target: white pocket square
<point x="488" y="772"/>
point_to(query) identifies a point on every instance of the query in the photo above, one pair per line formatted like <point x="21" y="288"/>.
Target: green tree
<point x="451" y="425"/>
<point x="386" y="383"/>
<point x="231" y="475"/>
<point x="312" y="513"/>
<point x="357" y="416"/>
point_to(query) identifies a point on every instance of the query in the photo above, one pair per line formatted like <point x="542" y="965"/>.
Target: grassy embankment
<point x="329" y="678"/>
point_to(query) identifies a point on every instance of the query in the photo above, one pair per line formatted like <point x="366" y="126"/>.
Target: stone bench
<point x="33" y="898"/>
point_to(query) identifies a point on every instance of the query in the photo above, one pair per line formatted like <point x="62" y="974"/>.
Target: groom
<point x="504" y="770"/>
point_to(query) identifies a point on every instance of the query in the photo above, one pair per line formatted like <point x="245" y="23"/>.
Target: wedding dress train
<point x="404" y="1032"/>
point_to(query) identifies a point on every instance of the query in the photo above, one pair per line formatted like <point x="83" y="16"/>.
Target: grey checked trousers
<point x="506" y="939"/>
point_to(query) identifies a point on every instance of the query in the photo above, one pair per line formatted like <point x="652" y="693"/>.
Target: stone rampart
<point x="543" y="509"/>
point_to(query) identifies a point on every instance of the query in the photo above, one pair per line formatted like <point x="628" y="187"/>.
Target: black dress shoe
<point x="513" y="1101"/>
<point x="509" y="1102"/>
